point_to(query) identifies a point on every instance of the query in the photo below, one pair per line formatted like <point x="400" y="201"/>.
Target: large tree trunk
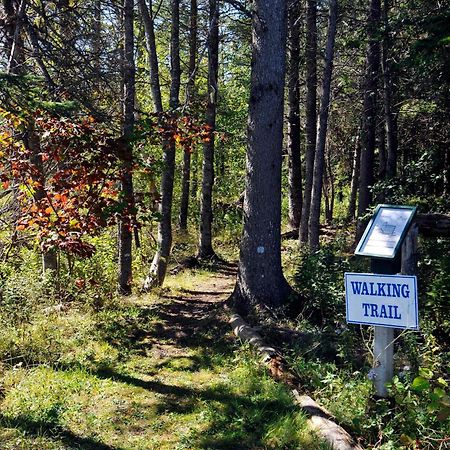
<point x="260" y="276"/>
<point x="126" y="222"/>
<point x="311" y="113"/>
<point x="160" y="261"/>
<point x="205" y="249"/>
<point x="390" y="116"/>
<point x="319" y="159"/>
<point x="15" y="21"/>
<point x="293" y="145"/>
<point x="369" y="114"/>
<point x="190" y="96"/>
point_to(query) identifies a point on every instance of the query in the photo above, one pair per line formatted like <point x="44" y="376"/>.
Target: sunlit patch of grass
<point x="107" y="379"/>
<point x="57" y="339"/>
<point x="187" y="280"/>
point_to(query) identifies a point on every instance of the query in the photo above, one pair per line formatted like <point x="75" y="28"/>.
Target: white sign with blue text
<point x="382" y="300"/>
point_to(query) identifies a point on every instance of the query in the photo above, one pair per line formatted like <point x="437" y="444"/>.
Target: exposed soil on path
<point x="193" y="317"/>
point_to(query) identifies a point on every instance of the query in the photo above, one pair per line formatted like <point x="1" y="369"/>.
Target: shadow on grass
<point x="234" y="421"/>
<point x="53" y="431"/>
<point x="191" y="323"/>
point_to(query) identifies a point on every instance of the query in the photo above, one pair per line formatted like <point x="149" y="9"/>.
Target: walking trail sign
<point x="382" y="300"/>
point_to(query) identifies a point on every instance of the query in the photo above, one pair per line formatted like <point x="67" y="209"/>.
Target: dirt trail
<point x="195" y="317"/>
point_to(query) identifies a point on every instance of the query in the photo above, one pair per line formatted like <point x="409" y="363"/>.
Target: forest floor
<point x="172" y="377"/>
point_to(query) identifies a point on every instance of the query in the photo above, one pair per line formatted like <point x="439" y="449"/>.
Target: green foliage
<point x="319" y="277"/>
<point x="23" y="94"/>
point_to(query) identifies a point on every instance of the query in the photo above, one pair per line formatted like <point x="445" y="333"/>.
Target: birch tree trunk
<point x="369" y="114"/>
<point x="125" y="237"/>
<point x="311" y="113"/>
<point x="205" y="249"/>
<point x="160" y="261"/>
<point x="260" y="277"/>
<point x="316" y="196"/>
<point x="293" y="145"/>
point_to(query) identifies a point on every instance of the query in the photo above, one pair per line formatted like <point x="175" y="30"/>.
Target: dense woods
<point x="141" y="139"/>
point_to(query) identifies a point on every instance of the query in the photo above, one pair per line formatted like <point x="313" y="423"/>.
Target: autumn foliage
<point x="65" y="173"/>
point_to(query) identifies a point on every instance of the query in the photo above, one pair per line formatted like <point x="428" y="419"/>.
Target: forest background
<point x="127" y="148"/>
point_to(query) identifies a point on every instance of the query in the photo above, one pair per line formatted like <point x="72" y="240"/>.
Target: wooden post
<point x="383" y="344"/>
<point x="384" y="337"/>
<point x="409" y="251"/>
<point x="383" y="348"/>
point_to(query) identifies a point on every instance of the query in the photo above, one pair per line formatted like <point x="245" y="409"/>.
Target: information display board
<point x="382" y="300"/>
<point x="384" y="233"/>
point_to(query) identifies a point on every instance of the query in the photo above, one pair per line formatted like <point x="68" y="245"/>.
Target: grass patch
<point x="138" y="374"/>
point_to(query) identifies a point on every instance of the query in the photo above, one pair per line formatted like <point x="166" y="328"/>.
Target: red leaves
<point x="65" y="184"/>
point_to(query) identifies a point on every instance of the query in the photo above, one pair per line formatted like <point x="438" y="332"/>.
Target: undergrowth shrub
<point x="417" y="415"/>
<point x="59" y="340"/>
<point x="319" y="278"/>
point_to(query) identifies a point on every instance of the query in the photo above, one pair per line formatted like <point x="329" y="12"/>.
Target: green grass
<point x="121" y="378"/>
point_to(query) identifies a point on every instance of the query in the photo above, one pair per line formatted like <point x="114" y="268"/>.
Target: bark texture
<point x="311" y="113"/>
<point x="160" y="261"/>
<point x="190" y="96"/>
<point x="319" y="159"/>
<point x="260" y="276"/>
<point x="205" y="249"/>
<point x="126" y="223"/>
<point x="293" y="144"/>
<point x="369" y="114"/>
<point x="150" y="42"/>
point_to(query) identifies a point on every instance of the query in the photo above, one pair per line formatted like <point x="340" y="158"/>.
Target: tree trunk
<point x="126" y="222"/>
<point x="319" y="159"/>
<point x="260" y="276"/>
<point x="293" y="146"/>
<point x="32" y="143"/>
<point x="311" y="113"/>
<point x="355" y="178"/>
<point x="205" y="249"/>
<point x="329" y="189"/>
<point x="147" y="19"/>
<point x="390" y="116"/>
<point x="14" y="22"/>
<point x="160" y="261"/>
<point x="369" y="115"/>
<point x="97" y="40"/>
<point x="190" y="97"/>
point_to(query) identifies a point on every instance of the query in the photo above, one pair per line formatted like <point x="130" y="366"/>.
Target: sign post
<point x="383" y="299"/>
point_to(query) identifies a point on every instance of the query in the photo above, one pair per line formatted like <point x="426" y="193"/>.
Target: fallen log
<point x="320" y="421"/>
